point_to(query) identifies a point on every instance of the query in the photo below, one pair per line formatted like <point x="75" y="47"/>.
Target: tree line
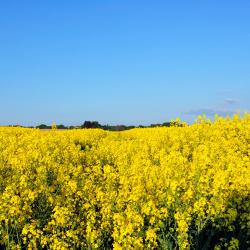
<point x="96" y="124"/>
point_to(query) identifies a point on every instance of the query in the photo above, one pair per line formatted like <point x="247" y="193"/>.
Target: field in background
<point x="155" y="188"/>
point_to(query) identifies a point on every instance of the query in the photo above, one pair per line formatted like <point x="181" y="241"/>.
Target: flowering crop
<point x="182" y="187"/>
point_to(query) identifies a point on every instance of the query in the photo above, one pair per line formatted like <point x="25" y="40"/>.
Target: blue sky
<point x="122" y="62"/>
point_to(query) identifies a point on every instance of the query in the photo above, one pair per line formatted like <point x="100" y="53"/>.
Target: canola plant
<point x="182" y="187"/>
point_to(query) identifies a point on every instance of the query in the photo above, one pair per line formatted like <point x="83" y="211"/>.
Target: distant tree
<point x="166" y="124"/>
<point x="119" y="127"/>
<point x="16" y="126"/>
<point x="61" y="126"/>
<point x="43" y="126"/>
<point x="130" y="127"/>
<point x="91" y="124"/>
<point x="106" y="127"/>
<point x="155" y="125"/>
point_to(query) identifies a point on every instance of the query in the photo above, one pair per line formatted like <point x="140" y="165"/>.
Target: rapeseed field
<point x="182" y="187"/>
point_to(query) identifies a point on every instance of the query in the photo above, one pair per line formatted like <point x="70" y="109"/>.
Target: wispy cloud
<point x="227" y="107"/>
<point x="231" y="101"/>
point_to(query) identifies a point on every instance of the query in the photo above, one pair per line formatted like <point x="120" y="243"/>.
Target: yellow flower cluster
<point x="182" y="187"/>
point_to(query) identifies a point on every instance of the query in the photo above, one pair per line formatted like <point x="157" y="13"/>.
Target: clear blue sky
<point x="122" y="62"/>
